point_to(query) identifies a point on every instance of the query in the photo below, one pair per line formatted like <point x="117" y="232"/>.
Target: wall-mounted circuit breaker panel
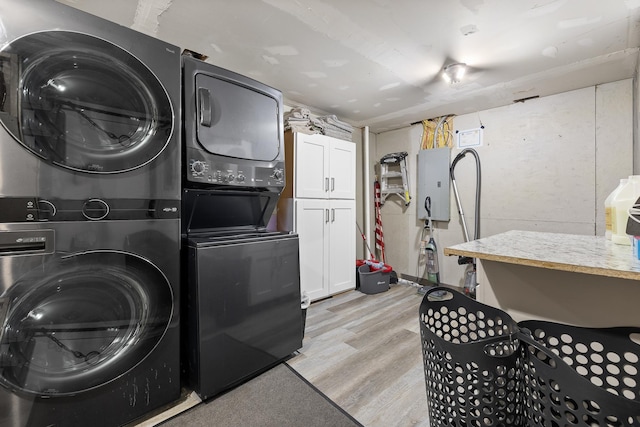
<point x="433" y="181"/>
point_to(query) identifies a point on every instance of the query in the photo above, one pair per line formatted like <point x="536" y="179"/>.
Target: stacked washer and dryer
<point x="89" y="219"/>
<point x="241" y="286"/>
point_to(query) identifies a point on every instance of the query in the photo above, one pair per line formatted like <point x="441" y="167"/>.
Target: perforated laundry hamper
<point x="472" y="362"/>
<point x="576" y="376"/>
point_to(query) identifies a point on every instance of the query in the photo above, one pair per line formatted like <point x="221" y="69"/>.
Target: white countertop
<point x="567" y="252"/>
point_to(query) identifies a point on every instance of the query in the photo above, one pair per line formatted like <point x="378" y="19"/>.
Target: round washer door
<point x="83" y="103"/>
<point x="82" y="321"/>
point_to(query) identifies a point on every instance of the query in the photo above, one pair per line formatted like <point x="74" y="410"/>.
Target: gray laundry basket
<point x="472" y="362"/>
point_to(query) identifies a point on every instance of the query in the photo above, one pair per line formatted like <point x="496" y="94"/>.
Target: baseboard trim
<point x="424" y="282"/>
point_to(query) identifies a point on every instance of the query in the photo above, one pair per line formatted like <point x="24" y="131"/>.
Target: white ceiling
<point x="377" y="62"/>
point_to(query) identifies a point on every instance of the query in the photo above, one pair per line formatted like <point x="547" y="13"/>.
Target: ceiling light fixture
<point x="453" y="73"/>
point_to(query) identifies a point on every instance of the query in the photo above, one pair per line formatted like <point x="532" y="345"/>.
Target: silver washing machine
<point x="89" y="109"/>
<point x="90" y="324"/>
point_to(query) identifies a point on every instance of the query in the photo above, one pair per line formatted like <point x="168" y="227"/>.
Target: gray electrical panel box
<point x="433" y="181"/>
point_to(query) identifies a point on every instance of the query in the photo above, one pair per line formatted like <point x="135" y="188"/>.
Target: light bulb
<point x="453" y="73"/>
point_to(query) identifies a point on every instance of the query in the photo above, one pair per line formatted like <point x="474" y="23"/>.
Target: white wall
<point x="547" y="164"/>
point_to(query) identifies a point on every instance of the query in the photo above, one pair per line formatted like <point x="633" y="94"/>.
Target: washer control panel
<point x="205" y="172"/>
<point x="34" y="209"/>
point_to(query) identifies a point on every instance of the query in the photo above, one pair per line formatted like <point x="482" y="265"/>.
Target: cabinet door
<point x="311" y="166"/>
<point x="312" y="225"/>
<point x="342" y="169"/>
<point x="342" y="246"/>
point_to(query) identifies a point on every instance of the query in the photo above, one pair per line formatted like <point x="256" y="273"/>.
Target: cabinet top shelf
<point x="567" y="252"/>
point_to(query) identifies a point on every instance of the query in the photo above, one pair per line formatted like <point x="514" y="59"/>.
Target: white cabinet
<point x="324" y="167"/>
<point x="318" y="203"/>
<point x="327" y="246"/>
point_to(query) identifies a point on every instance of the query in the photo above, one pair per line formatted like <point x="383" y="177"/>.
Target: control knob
<point x="46" y="210"/>
<point x="240" y="178"/>
<point x="95" y="209"/>
<point x="278" y="174"/>
<point x="198" y="168"/>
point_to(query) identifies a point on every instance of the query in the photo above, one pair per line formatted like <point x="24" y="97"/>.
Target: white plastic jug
<point x="608" y="220"/>
<point x="620" y="205"/>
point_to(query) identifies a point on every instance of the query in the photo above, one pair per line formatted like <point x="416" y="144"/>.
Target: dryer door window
<point x="82" y="103"/>
<point x="81" y="321"/>
<point x="236" y="121"/>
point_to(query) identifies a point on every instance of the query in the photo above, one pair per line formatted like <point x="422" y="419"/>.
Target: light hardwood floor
<point x="363" y="352"/>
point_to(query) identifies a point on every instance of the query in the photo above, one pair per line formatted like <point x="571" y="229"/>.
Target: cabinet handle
<point x="333" y="184"/>
<point x="333" y="215"/>
<point x="326" y="215"/>
<point x="326" y="184"/>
